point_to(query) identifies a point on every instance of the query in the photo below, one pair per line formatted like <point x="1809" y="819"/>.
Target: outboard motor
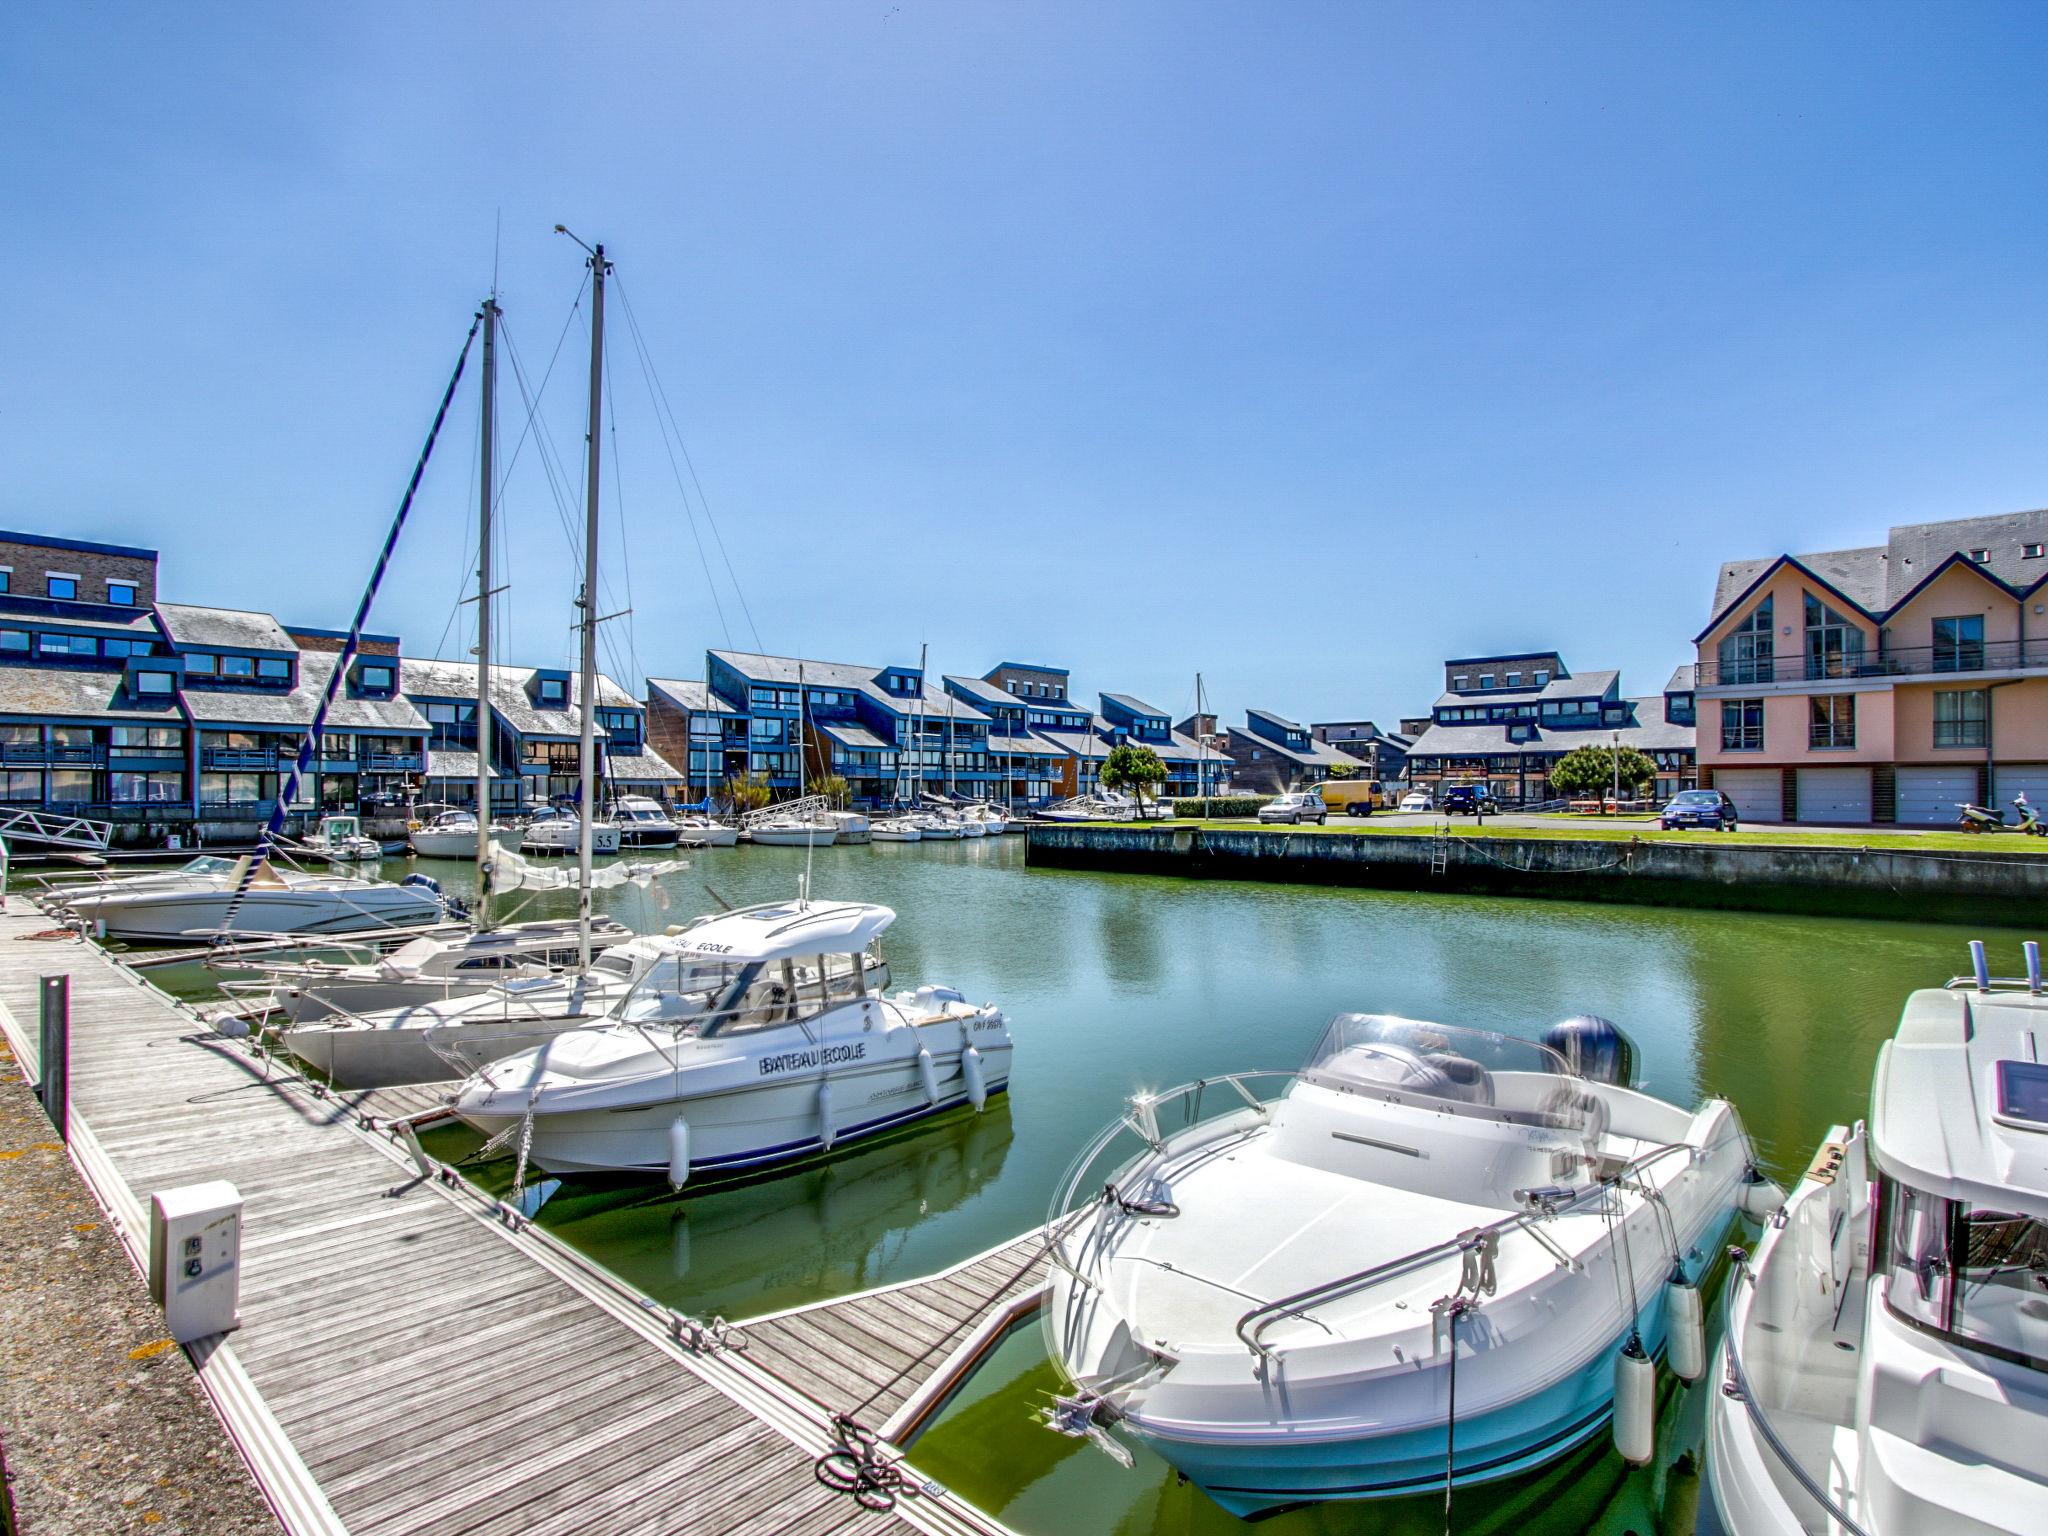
<point x="1595" y="1048"/>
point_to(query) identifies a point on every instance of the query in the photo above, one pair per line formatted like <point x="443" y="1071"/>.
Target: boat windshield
<point x="1440" y="1061"/>
<point x="1972" y="1273"/>
<point x="209" y="864"/>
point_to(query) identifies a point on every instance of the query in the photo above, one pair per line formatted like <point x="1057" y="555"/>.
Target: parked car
<point x="1470" y="800"/>
<point x="1354" y="797"/>
<point x="1295" y="808"/>
<point x="1418" y="800"/>
<point x="1698" y="808"/>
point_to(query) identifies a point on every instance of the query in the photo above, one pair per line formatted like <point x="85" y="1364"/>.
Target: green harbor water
<point x="1116" y="983"/>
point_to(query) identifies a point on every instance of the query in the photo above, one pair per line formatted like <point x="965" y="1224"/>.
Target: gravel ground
<point x="103" y="1425"/>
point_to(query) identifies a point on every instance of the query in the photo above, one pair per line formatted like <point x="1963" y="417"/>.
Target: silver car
<point x="1296" y="809"/>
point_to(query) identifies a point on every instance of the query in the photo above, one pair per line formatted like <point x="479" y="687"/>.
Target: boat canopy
<point x="1383" y="1052"/>
<point x="787" y="931"/>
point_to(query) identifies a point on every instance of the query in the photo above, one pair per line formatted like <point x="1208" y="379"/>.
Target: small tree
<point x="1592" y="771"/>
<point x="749" y="792"/>
<point x="1135" y="768"/>
<point x="831" y="786"/>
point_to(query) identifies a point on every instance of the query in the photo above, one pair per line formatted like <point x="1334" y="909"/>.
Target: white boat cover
<point x="511" y="870"/>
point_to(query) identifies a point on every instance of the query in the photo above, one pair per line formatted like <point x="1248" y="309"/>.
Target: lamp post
<point x="1617" y="770"/>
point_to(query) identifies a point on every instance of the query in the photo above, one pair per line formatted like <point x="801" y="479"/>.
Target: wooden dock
<point x="415" y="1358"/>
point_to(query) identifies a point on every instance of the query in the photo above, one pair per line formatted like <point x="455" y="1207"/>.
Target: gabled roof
<point x="1684" y="679"/>
<point x="688" y="695"/>
<point x="1282" y="721"/>
<point x="295" y="709"/>
<point x="1315" y="754"/>
<point x="1582" y="685"/>
<point x="511" y="695"/>
<point x="237" y="629"/>
<point x="69" y="693"/>
<point x="986" y="691"/>
<point x="1135" y="705"/>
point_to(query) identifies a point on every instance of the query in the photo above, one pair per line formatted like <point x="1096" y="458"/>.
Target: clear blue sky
<point x="1304" y="344"/>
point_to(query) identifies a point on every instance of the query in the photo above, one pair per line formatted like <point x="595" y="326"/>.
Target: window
<point x="121" y="593"/>
<point x="1542" y="678"/>
<point x="147" y="788"/>
<point x="1963" y="1270"/>
<point x="376" y="678"/>
<point x="62" y="586"/>
<point x="7" y="585"/>
<point x="157" y="684"/>
<point x="2028" y="552"/>
<point x="766" y="730"/>
<point x="1959" y="644"/>
<point x="1011" y="685"/>
<point x="201" y="664"/>
<point x="274" y="669"/>
<point x="66" y="645"/>
<point x="553" y="690"/>
<point x="1960" y="717"/>
<point x="1514" y="679"/>
<point x="705" y="727"/>
<point x="1746" y="655"/>
<point x="1486" y="681"/>
<point x="126" y="648"/>
<point x="1831" y="720"/>
<point x="13" y="640"/>
<point x="146" y="740"/>
<point x="237" y="666"/>
<point x="1742" y="725"/>
<point x="1460" y="684"/>
<point x="18" y="787"/>
<point x="1834" y="646"/>
<point x="1981" y="556"/>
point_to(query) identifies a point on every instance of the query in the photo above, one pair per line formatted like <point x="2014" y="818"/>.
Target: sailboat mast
<point x="917" y="733"/>
<point x="486" y="432"/>
<point x="1201" y="743"/>
<point x="586" y="728"/>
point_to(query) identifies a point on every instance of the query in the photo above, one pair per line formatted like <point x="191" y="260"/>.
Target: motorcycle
<point x="1982" y="818"/>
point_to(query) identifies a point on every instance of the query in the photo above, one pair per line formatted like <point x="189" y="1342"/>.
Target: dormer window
<point x="61" y="584"/>
<point x="274" y="669"/>
<point x="1981" y="556"/>
<point x="375" y="677"/>
<point x="1486" y="681"/>
<point x="121" y="593"/>
<point x="1514" y="679"/>
<point x="6" y="578"/>
<point x="1542" y="678"/>
<point x="156" y="684"/>
<point x="553" y="690"/>
<point x="2027" y="552"/>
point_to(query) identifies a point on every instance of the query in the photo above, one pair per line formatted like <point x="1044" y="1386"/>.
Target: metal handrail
<point x="1739" y="1389"/>
<point x="1892" y="661"/>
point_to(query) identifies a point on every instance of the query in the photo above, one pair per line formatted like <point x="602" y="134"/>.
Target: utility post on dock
<point x="53" y="1052"/>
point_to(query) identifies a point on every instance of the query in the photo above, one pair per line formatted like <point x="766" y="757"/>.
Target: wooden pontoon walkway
<point x="413" y="1358"/>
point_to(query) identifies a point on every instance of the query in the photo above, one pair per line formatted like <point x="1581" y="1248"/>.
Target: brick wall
<point x="330" y="645"/>
<point x="94" y="570"/>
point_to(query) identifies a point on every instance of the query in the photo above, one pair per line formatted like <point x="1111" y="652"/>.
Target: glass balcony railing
<point x="1904" y="661"/>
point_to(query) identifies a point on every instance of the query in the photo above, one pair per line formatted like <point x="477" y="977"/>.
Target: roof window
<point x="2031" y="551"/>
<point x="1981" y="556"/>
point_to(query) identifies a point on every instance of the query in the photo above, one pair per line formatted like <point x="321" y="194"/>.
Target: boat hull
<point x="795" y="837"/>
<point x="647" y="837"/>
<point x="544" y="839"/>
<point x="389" y="1056"/>
<point x="444" y="845"/>
<point x="708" y="837"/>
<point x="168" y="917"/>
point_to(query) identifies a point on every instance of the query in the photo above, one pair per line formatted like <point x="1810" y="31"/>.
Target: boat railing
<point x="1738" y="1388"/>
<point x="1543" y="1205"/>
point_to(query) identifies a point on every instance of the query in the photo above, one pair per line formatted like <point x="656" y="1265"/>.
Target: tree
<point x="1135" y="768"/>
<point x="1592" y="770"/>
<point x="831" y="786"/>
<point x="748" y="793"/>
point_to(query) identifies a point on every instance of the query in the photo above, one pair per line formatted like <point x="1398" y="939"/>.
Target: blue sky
<point x="1303" y="345"/>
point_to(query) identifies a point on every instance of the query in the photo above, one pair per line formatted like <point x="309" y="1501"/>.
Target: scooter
<point x="1981" y="818"/>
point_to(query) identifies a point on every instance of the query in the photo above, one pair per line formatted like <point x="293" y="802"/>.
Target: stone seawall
<point x="1989" y="888"/>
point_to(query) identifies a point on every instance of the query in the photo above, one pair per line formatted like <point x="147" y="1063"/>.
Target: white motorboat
<point x="1104" y="806"/>
<point x="1885" y="1365"/>
<point x="745" y="1061"/>
<point x="702" y="832"/>
<point x="852" y="826"/>
<point x="449" y="835"/>
<point x="992" y="820"/>
<point x="896" y="829"/>
<point x="936" y="829"/>
<point x="81" y="896"/>
<point x="341" y="840"/>
<point x="431" y="968"/>
<point x="795" y="832"/>
<point x="553" y="831"/>
<point x="641" y="823"/>
<point x="1276" y="1280"/>
<point x="275" y="902"/>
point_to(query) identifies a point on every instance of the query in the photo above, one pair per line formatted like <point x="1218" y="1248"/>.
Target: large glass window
<point x="238" y="666"/>
<point x="72" y="786"/>
<point x="705" y="727"/>
<point x="1747" y="652"/>
<point x="237" y="788"/>
<point x="1831" y="720"/>
<point x="1959" y="644"/>
<point x="146" y="740"/>
<point x="274" y="669"/>
<point x="1916" y="1254"/>
<point x="18" y="788"/>
<point x="66" y="645"/>
<point x="1961" y="717"/>
<point x="1834" y="645"/>
<point x="13" y="640"/>
<point x="147" y="788"/>
<point x="1742" y="725"/>
<point x="767" y="730"/>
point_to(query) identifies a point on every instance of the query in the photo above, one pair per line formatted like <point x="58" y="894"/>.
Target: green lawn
<point x="1620" y="829"/>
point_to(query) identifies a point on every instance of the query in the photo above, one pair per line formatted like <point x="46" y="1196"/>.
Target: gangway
<point x="54" y="831"/>
<point x="805" y="809"/>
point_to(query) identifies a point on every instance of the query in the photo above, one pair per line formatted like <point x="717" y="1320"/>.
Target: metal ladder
<point x="1440" y="849"/>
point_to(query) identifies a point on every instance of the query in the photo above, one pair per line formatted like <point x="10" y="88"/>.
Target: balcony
<point x="44" y="752"/>
<point x="239" y="759"/>
<point x="394" y="762"/>
<point x="1966" y="659"/>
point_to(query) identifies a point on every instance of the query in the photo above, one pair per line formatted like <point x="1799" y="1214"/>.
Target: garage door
<point x="1928" y="797"/>
<point x="1755" y="792"/>
<point x="2031" y="777"/>
<point x="1834" y="794"/>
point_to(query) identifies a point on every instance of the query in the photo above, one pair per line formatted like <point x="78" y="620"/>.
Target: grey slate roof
<point x="449" y="763"/>
<point x="1684" y="679"/>
<point x="643" y="767"/>
<point x="1651" y="733"/>
<point x="232" y="628"/>
<point x="1136" y="706"/>
<point x="63" y="693"/>
<point x="985" y="690"/>
<point x="688" y="695"/>
<point x="228" y="706"/>
<point x="1580" y="685"/>
<point x="855" y="738"/>
<point x="1316" y="754"/>
<point x="510" y="696"/>
<point x="781" y="672"/>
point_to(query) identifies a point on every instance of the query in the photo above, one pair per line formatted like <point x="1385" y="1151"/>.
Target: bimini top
<point x="785" y="931"/>
<point x="1960" y="1104"/>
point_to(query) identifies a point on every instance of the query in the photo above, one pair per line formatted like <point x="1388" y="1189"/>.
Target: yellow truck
<point x="1353" y="797"/>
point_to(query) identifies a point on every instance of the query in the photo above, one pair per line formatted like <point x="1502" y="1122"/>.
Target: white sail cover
<point x="510" y="870"/>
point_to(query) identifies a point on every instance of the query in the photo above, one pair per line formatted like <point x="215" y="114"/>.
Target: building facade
<point x="1271" y="755"/>
<point x="1504" y="720"/>
<point x="1384" y="753"/>
<point x="1882" y="684"/>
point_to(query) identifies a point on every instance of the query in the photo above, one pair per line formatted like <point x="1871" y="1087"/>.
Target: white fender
<point x="977" y="1083"/>
<point x="1635" y="1405"/>
<point x="1760" y="1198"/>
<point x="826" y="1134"/>
<point x="678" y="1152"/>
<point x="1685" y="1334"/>
<point x="927" y="1075"/>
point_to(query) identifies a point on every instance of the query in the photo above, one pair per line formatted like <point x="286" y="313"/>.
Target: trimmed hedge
<point x="1221" y="807"/>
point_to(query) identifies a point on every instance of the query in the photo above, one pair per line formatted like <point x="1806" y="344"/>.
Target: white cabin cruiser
<point x="431" y="968"/>
<point x="1885" y="1365"/>
<point x="642" y="823"/>
<point x="769" y="1046"/>
<point x="553" y="831"/>
<point x="853" y="827"/>
<point x="450" y="834"/>
<point x="341" y="840"/>
<point x="1278" y="1293"/>
<point x="936" y="829"/>
<point x="895" y="829"/>
<point x="816" y="831"/>
<point x="276" y="901"/>
<point x="702" y="832"/>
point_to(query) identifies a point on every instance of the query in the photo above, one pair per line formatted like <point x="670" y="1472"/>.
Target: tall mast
<point x="1201" y="743"/>
<point x="586" y="732"/>
<point x="923" y="651"/>
<point x="483" y="616"/>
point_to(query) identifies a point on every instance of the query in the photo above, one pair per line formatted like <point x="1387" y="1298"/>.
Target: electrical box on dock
<point x="195" y="1258"/>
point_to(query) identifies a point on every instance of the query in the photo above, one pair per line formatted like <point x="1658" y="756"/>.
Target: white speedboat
<point x="1275" y="1280"/>
<point x="795" y="832"/>
<point x="703" y="832"/>
<point x="553" y="831"/>
<point x="896" y="829"/>
<point x="275" y="902"/>
<point x="341" y="840"/>
<point x="992" y="820"/>
<point x="641" y="823"/>
<point x="431" y="968"/>
<point x="746" y="1061"/>
<point x="1885" y="1365"/>
<point x="852" y="826"/>
<point x="449" y="835"/>
<point x="1105" y="806"/>
<point x="81" y="896"/>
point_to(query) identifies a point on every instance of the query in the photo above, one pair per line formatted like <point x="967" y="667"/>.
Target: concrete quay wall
<point x="1990" y="888"/>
